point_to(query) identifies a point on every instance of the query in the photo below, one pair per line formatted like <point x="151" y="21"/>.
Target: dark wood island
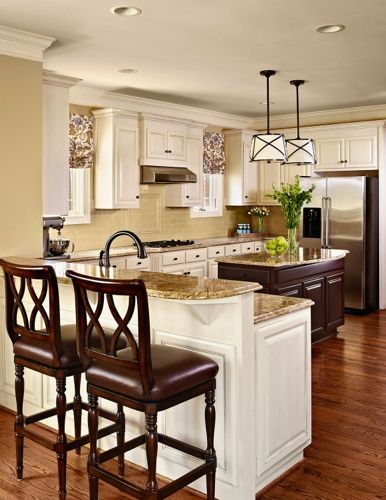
<point x="316" y="274"/>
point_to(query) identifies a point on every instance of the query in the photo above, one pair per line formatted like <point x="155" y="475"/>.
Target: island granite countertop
<point x="160" y="285"/>
<point x="269" y="306"/>
<point x="303" y="256"/>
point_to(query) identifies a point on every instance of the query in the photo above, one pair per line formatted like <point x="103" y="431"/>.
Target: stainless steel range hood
<point x="166" y="175"/>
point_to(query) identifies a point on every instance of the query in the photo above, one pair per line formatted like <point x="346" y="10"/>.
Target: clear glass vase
<point x="292" y="240"/>
<point x="260" y="225"/>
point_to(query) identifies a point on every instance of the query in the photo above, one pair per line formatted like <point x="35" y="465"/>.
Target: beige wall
<point x="20" y="157"/>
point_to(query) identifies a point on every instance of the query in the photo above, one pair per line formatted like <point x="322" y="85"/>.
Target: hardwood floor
<point x="347" y="458"/>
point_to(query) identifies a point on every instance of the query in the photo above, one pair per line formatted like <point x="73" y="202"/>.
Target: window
<point x="79" y="202"/>
<point x="212" y="206"/>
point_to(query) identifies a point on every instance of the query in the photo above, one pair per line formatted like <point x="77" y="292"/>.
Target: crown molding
<point x="88" y="96"/>
<point x="328" y="117"/>
<point x="23" y="44"/>
<point x="52" y="78"/>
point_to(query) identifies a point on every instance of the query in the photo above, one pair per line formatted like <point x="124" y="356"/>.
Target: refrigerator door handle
<point x="328" y="208"/>
<point x="323" y="223"/>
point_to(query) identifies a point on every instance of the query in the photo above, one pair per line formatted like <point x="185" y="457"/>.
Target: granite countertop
<point x="302" y="257"/>
<point x="201" y="243"/>
<point x="270" y="306"/>
<point x="160" y="285"/>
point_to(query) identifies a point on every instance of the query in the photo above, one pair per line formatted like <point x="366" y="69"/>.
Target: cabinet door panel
<point x="194" y="192"/>
<point x="361" y="152"/>
<point x="329" y="154"/>
<point x="126" y="168"/>
<point x="315" y="290"/>
<point x="250" y="178"/>
<point x="177" y="143"/>
<point x="335" y="300"/>
<point x="156" y="141"/>
<point x="199" y="269"/>
<point x="269" y="173"/>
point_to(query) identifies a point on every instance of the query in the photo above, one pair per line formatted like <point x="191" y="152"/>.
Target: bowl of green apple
<point x="276" y="247"/>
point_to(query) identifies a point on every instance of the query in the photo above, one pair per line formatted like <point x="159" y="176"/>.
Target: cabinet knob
<point x="166" y="151"/>
<point x="137" y="197"/>
<point x="217" y="252"/>
<point x="234" y="250"/>
<point x="245" y="196"/>
<point x="187" y="196"/>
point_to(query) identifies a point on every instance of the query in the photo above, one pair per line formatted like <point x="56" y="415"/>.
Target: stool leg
<point x="93" y="455"/>
<point x="210" y="455"/>
<point x="151" y="454"/>
<point x="19" y="421"/>
<point x="77" y="409"/>
<point x="121" y="440"/>
<point x="61" y="440"/>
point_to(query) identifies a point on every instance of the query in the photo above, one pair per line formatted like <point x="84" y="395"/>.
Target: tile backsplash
<point x="153" y="221"/>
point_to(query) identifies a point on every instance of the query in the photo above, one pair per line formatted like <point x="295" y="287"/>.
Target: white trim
<point x="88" y="96"/>
<point x="196" y="212"/>
<point x="23" y="44"/>
<point x="52" y="78"/>
<point x="83" y="195"/>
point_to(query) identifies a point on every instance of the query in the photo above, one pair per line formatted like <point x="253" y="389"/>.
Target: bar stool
<point x="144" y="377"/>
<point x="42" y="344"/>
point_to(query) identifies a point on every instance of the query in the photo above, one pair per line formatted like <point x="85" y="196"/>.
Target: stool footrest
<point x="81" y="441"/>
<point x="181" y="446"/>
<point x="36" y="417"/>
<point x="186" y="479"/>
<point x="116" y="481"/>
<point x="38" y="438"/>
<point x="117" y="450"/>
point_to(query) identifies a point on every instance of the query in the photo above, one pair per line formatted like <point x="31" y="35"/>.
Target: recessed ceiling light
<point x="330" y="28"/>
<point x="123" y="10"/>
<point x="127" y="70"/>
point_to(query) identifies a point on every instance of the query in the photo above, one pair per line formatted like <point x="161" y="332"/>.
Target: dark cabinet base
<point x="322" y="282"/>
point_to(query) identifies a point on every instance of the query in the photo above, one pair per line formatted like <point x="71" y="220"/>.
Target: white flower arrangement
<point x="259" y="212"/>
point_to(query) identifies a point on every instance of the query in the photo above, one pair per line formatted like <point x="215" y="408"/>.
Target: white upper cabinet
<point x="189" y="194"/>
<point x="240" y="174"/>
<point x="163" y="141"/>
<point x="351" y="148"/>
<point x="56" y="173"/>
<point x="116" y="154"/>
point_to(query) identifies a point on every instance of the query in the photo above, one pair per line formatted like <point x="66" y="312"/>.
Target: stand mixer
<point x="56" y="222"/>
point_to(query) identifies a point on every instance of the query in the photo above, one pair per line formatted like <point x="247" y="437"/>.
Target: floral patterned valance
<point x="214" y="154"/>
<point x="81" y="141"/>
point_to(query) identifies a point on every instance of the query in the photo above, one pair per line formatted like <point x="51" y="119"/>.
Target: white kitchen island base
<point x="263" y="396"/>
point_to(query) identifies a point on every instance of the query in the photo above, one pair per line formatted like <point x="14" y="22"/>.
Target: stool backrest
<point x="26" y="289"/>
<point x="103" y="291"/>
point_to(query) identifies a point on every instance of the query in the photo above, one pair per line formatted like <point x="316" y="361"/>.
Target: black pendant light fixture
<point x="300" y="151"/>
<point x="268" y="146"/>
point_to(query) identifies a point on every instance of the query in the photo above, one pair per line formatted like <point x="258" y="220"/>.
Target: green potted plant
<point x="292" y="198"/>
<point x="260" y="213"/>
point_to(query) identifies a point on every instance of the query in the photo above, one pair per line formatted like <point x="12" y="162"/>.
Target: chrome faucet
<point x="141" y="252"/>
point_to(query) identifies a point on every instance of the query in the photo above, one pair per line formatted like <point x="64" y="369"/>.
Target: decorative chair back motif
<point x="89" y="324"/>
<point x="32" y="286"/>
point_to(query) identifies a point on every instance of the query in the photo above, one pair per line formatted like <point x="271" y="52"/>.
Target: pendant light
<point x="268" y="146"/>
<point x="300" y="151"/>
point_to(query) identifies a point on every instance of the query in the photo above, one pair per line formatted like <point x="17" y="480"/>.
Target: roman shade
<point x="214" y="153"/>
<point x="81" y="141"/>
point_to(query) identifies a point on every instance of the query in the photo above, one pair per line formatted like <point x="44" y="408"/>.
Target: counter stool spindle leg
<point x="93" y="455"/>
<point x="77" y="410"/>
<point x="151" y="454"/>
<point x="61" y="441"/>
<point x="210" y="419"/>
<point x="19" y="421"/>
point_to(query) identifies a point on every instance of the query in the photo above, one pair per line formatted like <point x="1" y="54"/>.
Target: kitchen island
<point x="316" y="274"/>
<point x="263" y="398"/>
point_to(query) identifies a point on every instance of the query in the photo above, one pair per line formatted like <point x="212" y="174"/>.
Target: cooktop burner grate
<point x="168" y="243"/>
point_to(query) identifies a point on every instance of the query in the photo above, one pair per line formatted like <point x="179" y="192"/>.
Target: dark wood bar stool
<point x="144" y="377"/>
<point x="42" y="344"/>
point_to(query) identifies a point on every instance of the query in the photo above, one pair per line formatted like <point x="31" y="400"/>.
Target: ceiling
<point x="208" y="53"/>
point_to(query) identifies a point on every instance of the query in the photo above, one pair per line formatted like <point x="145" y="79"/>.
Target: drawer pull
<point x="139" y="263"/>
<point x="234" y="250"/>
<point x="175" y="258"/>
<point x="197" y="256"/>
<point x="218" y="251"/>
<point x="187" y="272"/>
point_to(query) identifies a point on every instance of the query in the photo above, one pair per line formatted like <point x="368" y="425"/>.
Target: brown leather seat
<point x="145" y="377"/>
<point x="174" y="370"/>
<point x="40" y="343"/>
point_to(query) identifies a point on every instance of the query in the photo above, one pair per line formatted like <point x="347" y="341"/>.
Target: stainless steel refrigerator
<point x="343" y="214"/>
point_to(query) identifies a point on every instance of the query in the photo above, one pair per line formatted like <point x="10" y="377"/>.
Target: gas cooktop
<point x="168" y="243"/>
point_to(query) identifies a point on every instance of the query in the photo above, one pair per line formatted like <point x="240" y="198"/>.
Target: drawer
<point x="218" y="251"/>
<point x="169" y="258"/>
<point x="233" y="249"/>
<point x="259" y="246"/>
<point x="135" y="263"/>
<point x="247" y="247"/>
<point x="195" y="255"/>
